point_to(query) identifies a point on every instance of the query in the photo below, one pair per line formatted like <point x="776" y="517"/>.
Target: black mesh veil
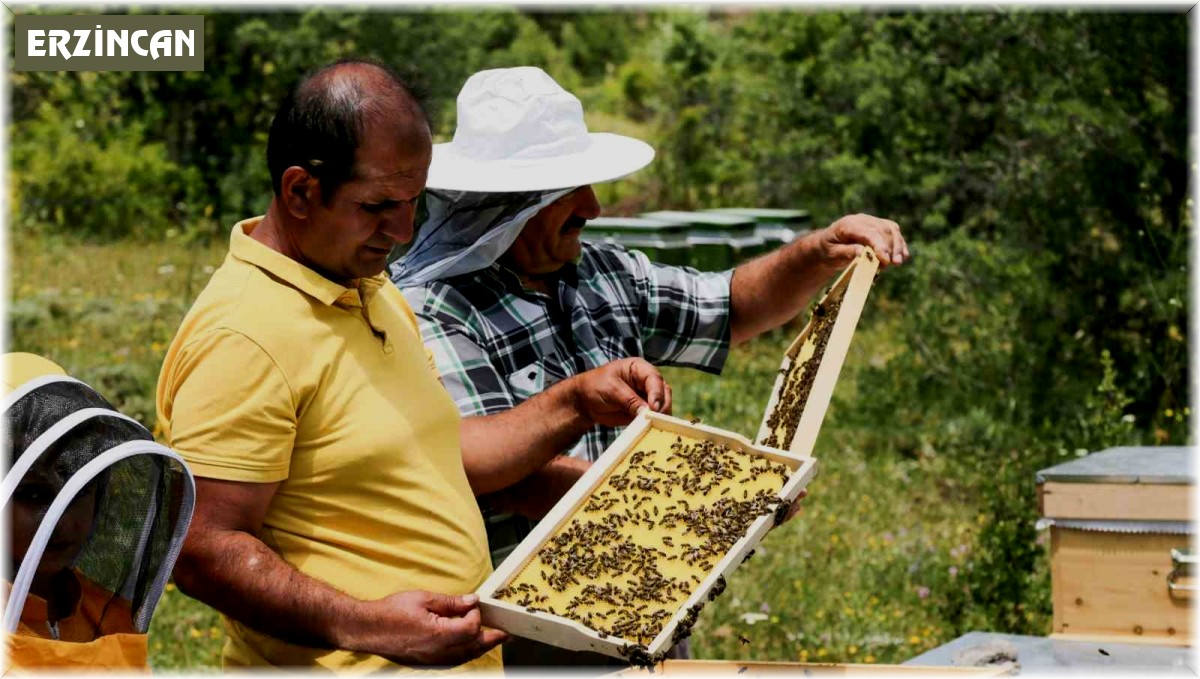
<point x="97" y="511"/>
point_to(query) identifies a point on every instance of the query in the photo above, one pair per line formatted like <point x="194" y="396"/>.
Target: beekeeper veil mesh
<point x="94" y="507"/>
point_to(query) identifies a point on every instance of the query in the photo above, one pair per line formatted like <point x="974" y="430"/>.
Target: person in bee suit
<point x="97" y="511"/>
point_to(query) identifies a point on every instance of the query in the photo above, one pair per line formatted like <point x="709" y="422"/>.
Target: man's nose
<point x="398" y="226"/>
<point x="587" y="205"/>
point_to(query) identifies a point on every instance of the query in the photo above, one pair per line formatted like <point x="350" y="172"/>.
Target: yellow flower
<point x="803" y="654"/>
<point x="1169" y="413"/>
<point x="820" y="615"/>
<point x="852" y="650"/>
<point x="847" y="611"/>
<point x="914" y="640"/>
<point x="821" y="652"/>
<point x="896" y="613"/>
<point x="833" y="539"/>
<point x="869" y="658"/>
<point x="213" y="633"/>
<point x="170" y="587"/>
<point x="774" y="619"/>
<point x="873" y="601"/>
<point x="194" y="633"/>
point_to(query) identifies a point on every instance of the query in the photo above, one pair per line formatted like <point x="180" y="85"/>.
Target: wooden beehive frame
<point x="853" y="286"/>
<point x="570" y="634"/>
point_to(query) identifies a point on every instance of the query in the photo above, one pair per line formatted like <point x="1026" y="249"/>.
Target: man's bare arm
<point x="225" y="565"/>
<point x="502" y="449"/>
<point x="770" y="290"/>
<point x="537" y="493"/>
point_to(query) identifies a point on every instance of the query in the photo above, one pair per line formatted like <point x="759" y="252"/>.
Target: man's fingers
<point x="646" y="378"/>
<point x="667" y="400"/>
<point x="450" y="605"/>
<point x="631" y="401"/>
<point x="460" y="630"/>
<point x="893" y="230"/>
<point x="842" y="255"/>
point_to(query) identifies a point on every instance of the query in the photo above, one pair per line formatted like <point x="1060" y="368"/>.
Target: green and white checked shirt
<point x="497" y="344"/>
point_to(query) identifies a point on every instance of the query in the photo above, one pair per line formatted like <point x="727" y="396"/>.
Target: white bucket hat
<point x="518" y="130"/>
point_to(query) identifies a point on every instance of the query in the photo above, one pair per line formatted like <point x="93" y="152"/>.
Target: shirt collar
<point x="295" y="274"/>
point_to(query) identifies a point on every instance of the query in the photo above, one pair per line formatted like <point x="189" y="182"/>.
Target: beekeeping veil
<point x="97" y="513"/>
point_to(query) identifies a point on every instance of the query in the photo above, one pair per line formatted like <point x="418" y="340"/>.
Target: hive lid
<point x="633" y="225"/>
<point x="708" y="219"/>
<point x="1127" y="464"/>
<point x="766" y="215"/>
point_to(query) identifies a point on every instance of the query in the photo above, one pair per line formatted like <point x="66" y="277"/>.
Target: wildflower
<point x="953" y="571"/>
<point x="751" y="618"/>
<point x="852" y="650"/>
<point x="765" y="607"/>
<point x="888" y="537"/>
<point x="1169" y="413"/>
<point x="821" y="652"/>
<point x="170" y="587"/>
<point x="774" y="619"/>
<point x="166" y="269"/>
<point x="803" y="654"/>
<point x="923" y="592"/>
<point x="914" y="640"/>
<point x="213" y="633"/>
<point x="869" y="658"/>
<point x="194" y="633"/>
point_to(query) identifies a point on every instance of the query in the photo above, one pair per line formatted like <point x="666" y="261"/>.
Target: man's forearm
<point x="235" y="573"/>
<point x="500" y="450"/>
<point x="535" y="495"/>
<point x="770" y="290"/>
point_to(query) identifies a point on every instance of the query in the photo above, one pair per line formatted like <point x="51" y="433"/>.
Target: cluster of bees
<point x="799" y="375"/>
<point x="643" y="541"/>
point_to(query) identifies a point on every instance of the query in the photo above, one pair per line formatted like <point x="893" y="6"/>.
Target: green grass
<point x="864" y="574"/>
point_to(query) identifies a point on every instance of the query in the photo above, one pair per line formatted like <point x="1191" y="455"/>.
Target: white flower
<point x="166" y="269"/>
<point x="751" y="618"/>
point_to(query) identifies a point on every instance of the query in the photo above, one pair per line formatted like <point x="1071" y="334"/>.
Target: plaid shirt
<point x="497" y="344"/>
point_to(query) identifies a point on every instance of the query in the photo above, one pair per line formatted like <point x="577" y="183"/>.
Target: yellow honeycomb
<point x="638" y="546"/>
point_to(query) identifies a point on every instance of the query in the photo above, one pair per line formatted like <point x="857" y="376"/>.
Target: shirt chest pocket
<point x="533" y="379"/>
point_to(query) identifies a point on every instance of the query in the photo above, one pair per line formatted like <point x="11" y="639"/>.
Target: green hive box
<point x="718" y="241"/>
<point x="662" y="241"/>
<point x="775" y="226"/>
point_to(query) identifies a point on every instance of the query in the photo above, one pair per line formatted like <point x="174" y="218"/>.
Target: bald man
<point x="336" y="522"/>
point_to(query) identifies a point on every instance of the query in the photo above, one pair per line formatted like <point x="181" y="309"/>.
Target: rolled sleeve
<point x="685" y="314"/>
<point x="459" y="357"/>
<point x="233" y="414"/>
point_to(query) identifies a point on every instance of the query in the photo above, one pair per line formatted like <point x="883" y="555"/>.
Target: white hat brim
<point x="608" y="157"/>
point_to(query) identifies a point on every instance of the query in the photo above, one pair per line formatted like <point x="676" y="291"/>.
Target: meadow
<point x="873" y="571"/>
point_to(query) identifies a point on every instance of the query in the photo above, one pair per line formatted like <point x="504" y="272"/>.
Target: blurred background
<point x="1035" y="160"/>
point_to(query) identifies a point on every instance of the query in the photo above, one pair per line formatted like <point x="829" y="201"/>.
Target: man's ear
<point x="298" y="191"/>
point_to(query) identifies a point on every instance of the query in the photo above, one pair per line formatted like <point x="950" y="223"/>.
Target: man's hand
<point x="423" y="629"/>
<point x="841" y="242"/>
<point x="613" y="394"/>
<point x="768" y="291"/>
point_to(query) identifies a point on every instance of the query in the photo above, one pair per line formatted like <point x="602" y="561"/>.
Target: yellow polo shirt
<point x="278" y="374"/>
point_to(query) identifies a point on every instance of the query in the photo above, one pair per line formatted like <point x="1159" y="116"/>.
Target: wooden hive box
<point x="529" y="596"/>
<point x="1120" y="532"/>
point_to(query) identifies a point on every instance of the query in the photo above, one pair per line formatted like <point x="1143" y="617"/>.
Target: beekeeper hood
<point x="521" y="143"/>
<point x="98" y="512"/>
